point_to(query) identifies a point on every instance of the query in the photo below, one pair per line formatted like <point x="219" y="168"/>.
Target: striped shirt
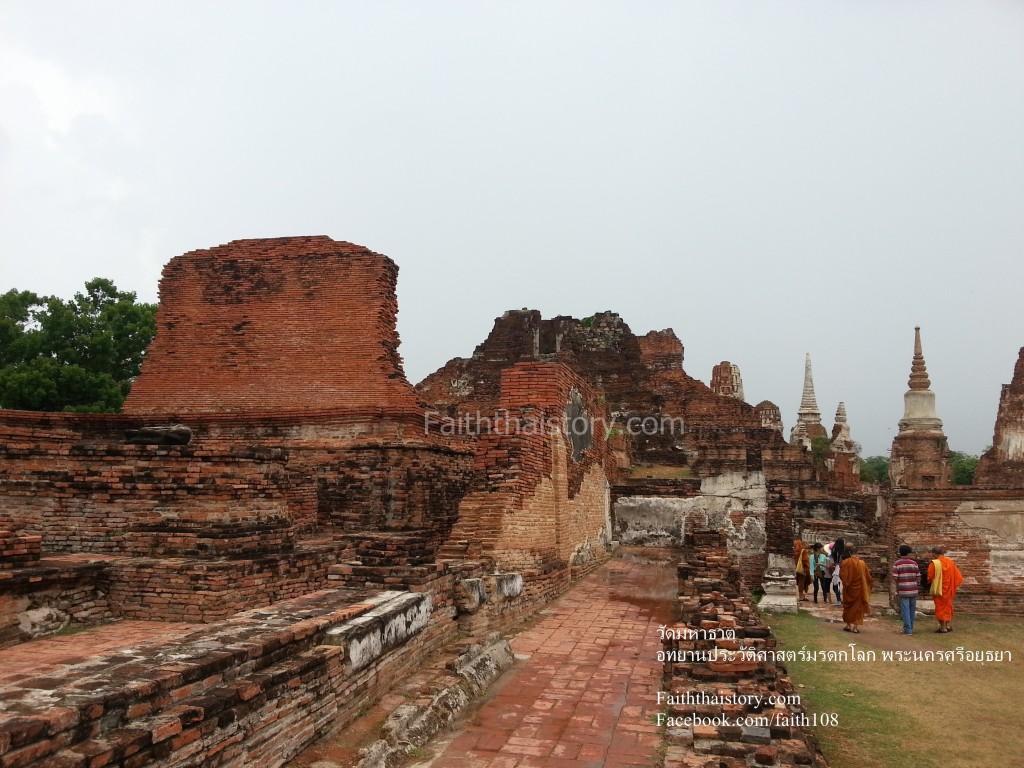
<point x="907" y="575"/>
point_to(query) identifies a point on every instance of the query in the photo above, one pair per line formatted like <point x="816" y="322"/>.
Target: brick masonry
<point x="282" y="325"/>
<point x="1002" y="466"/>
<point x="980" y="528"/>
<point x="712" y="601"/>
<point x="535" y="500"/>
<point x="250" y="692"/>
<point x="51" y="594"/>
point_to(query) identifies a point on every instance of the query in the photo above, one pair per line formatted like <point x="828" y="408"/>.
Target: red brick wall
<point x="278" y="325"/>
<point x="75" y="481"/>
<point x="178" y="589"/>
<point x="531" y="503"/>
<point x="980" y="528"/>
<point x="76" y="592"/>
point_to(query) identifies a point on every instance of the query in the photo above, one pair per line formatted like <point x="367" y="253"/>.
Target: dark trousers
<point x="825" y="583"/>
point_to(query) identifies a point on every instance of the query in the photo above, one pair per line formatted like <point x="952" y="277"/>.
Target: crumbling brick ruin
<point x="322" y="526"/>
<point x="681" y="453"/>
<point x="721" y="646"/>
<point x="726" y="380"/>
<point x="1002" y="466"/>
<point x="272" y="449"/>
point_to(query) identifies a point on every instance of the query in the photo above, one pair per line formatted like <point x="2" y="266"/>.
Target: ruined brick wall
<point x="76" y="481"/>
<point x="980" y="528"/>
<point x="1002" y="466"/>
<point x="232" y="491"/>
<point x="640" y="377"/>
<point x="249" y="692"/>
<point x="712" y="605"/>
<point x="185" y="589"/>
<point x="44" y="598"/>
<point x="18" y="550"/>
<point x="661" y="350"/>
<point x="920" y="460"/>
<point x="843" y="472"/>
<point x="399" y="487"/>
<point x="532" y="500"/>
<point x="735" y="504"/>
<point x="282" y="325"/>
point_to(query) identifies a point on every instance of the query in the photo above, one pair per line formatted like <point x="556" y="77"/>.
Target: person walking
<point x="819" y="562"/>
<point x="907" y="578"/>
<point x="802" y="567"/>
<point x="945" y="579"/>
<point x="857" y="584"/>
<point x="835" y="559"/>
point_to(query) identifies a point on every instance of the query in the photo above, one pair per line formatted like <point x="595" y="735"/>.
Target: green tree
<point x="963" y="466"/>
<point x="819" y="450"/>
<point x="78" y="355"/>
<point x="875" y="469"/>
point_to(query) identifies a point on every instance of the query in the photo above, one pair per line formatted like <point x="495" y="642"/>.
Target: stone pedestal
<point x="779" y="590"/>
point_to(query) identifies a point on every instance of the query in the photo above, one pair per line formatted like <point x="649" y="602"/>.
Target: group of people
<point x="818" y="566"/>
<point x="836" y="568"/>
<point x="944" y="578"/>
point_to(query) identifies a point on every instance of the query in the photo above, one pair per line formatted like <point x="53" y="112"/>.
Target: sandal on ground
<point x="847" y="629"/>
<point x="855" y="631"/>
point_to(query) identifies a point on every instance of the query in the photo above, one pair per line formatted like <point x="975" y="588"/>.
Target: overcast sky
<point x="768" y="179"/>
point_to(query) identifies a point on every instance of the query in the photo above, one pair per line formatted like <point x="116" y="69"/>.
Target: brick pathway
<point x="39" y="657"/>
<point x="586" y="696"/>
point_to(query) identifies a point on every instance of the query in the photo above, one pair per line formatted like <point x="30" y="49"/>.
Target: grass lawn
<point x="912" y="713"/>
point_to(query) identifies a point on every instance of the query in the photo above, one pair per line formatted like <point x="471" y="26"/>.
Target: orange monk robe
<point x="802" y="563"/>
<point x="857" y="584"/>
<point x="951" y="580"/>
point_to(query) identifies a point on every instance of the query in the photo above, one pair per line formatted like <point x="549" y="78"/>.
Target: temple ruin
<point x="980" y="524"/>
<point x="322" y="525"/>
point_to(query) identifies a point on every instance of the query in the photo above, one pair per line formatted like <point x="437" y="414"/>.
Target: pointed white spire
<point x="808" y="417"/>
<point x="808" y="402"/>
<point x="919" y="400"/>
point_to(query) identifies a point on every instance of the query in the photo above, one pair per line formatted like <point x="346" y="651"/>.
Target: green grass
<point x="922" y="714"/>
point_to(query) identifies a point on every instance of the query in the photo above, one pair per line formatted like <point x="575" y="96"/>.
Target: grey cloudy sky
<point x="768" y="179"/>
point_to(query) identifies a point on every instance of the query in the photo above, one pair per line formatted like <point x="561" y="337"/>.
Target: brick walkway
<point x="587" y="694"/>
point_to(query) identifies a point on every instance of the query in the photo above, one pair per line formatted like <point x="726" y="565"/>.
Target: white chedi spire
<point x="842" y="442"/>
<point x="808" y="417"/>
<point x="808" y="402"/>
<point x="919" y="401"/>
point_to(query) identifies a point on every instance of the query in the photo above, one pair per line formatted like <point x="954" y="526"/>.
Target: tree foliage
<point x="963" y="466"/>
<point x="875" y="469"/>
<point x="77" y="355"/>
<point x="819" y="450"/>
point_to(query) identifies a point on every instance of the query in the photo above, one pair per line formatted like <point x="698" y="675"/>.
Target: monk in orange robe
<point x="945" y="579"/>
<point x="857" y="584"/>
<point x="802" y="565"/>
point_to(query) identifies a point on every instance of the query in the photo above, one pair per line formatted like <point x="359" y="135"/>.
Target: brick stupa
<point x="920" y="455"/>
<point x="294" y="325"/>
<point x="726" y="380"/>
